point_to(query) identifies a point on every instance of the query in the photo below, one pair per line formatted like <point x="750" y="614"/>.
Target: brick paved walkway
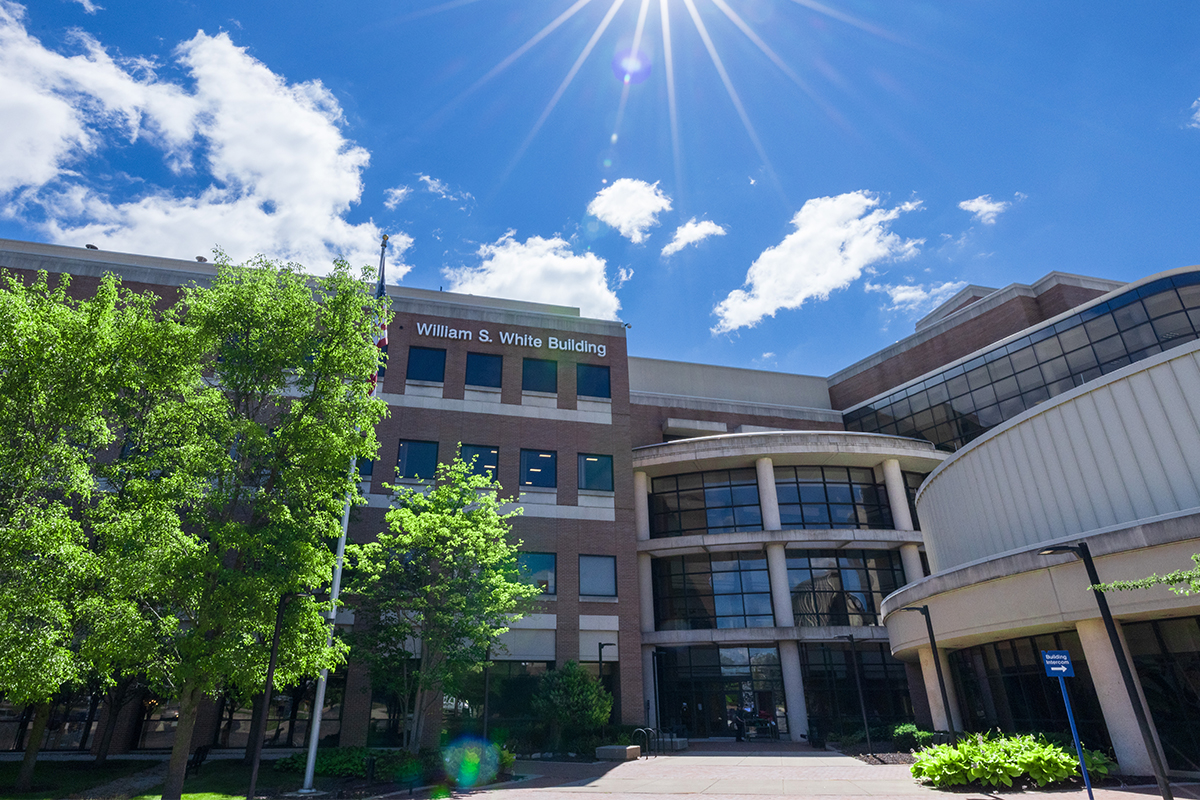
<point x="725" y="771"/>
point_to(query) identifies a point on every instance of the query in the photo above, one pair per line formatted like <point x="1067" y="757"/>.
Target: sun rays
<point x="634" y="66"/>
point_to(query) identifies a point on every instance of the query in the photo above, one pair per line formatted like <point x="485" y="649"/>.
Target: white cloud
<point x="275" y="173"/>
<point x="916" y="298"/>
<point x="692" y="232"/>
<point x="631" y="206"/>
<point x="541" y="270"/>
<point x="1195" y="121"/>
<point x="395" y="196"/>
<point x="442" y="189"/>
<point x="984" y="208"/>
<point x="835" y="239"/>
<point x="89" y="7"/>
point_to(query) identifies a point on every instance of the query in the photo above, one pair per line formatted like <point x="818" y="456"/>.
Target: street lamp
<point x="937" y="663"/>
<point x="1139" y="712"/>
<point x="862" y="704"/>
<point x="600" y="655"/>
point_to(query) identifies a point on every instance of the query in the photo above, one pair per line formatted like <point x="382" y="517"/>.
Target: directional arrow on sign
<point x="1058" y="669"/>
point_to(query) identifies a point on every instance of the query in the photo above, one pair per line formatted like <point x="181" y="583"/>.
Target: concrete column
<point x="910" y="558"/>
<point x="648" y="685"/>
<point x="768" y="500"/>
<point x="793" y="690"/>
<point x="934" y="691"/>
<point x="646" y="592"/>
<point x="1114" y="699"/>
<point x="641" y="505"/>
<point x="897" y="494"/>
<point x="781" y="594"/>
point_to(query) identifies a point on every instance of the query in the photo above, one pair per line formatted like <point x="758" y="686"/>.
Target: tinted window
<point x="484" y="370"/>
<point x="592" y="381"/>
<point x="538" y="569"/>
<point x="539" y="468"/>
<point x="484" y="460"/>
<point x="595" y="472"/>
<point x="426" y="364"/>
<point x="598" y="576"/>
<point x="539" y="375"/>
<point x="416" y="459"/>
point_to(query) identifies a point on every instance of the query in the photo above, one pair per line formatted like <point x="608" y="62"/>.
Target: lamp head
<point x="923" y="609"/>
<point x="1059" y="548"/>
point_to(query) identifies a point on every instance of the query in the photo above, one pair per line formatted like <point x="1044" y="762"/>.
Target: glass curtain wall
<point x="718" y="590"/>
<point x="1166" y="655"/>
<point x="841" y="587"/>
<point x="1004" y="685"/>
<point x="832" y="697"/>
<point x="831" y="497"/>
<point x="966" y="400"/>
<point x="722" y="501"/>
<point x="701" y="688"/>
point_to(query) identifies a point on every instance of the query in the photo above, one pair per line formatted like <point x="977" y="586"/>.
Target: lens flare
<point x="472" y="762"/>
<point x="631" y="66"/>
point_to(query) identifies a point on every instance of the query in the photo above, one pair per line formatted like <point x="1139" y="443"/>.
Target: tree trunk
<point x="257" y="709"/>
<point x="415" y="727"/>
<point x="189" y="703"/>
<point x="41" y="718"/>
<point x="431" y="728"/>
<point x="114" y="700"/>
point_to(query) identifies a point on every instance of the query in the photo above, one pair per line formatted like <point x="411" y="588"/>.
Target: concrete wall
<point x="727" y="383"/>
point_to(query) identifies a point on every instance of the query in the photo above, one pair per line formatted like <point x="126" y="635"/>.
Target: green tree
<point x="570" y="696"/>
<point x="241" y="495"/>
<point x="55" y="354"/>
<point x="1181" y="581"/>
<point x="435" y="590"/>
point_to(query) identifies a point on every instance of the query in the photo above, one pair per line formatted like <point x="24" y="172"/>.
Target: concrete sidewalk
<point x="770" y="770"/>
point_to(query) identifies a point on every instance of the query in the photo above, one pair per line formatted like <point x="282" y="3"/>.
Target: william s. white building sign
<point x="438" y="331"/>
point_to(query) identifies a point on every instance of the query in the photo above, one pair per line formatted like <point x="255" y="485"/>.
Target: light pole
<point x="937" y="664"/>
<point x="1139" y="712"/>
<point x="600" y="655"/>
<point x="862" y="704"/>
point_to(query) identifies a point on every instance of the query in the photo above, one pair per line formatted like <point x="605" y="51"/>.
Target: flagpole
<point x="310" y="764"/>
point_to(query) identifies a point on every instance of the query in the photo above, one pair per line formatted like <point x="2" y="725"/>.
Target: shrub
<point x="909" y="737"/>
<point x="571" y="697"/>
<point x="351" y="762"/>
<point x="996" y="760"/>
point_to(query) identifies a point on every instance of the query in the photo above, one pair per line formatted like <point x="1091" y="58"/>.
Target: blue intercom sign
<point x="1058" y="664"/>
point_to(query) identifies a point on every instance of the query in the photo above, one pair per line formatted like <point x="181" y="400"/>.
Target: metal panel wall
<point x="1123" y="448"/>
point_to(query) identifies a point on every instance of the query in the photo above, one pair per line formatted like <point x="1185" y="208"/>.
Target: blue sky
<point x="790" y="186"/>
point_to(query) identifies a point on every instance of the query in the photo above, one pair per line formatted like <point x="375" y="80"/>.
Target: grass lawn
<point x="54" y="779"/>
<point x="229" y="779"/>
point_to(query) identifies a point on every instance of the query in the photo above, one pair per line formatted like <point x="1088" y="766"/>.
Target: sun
<point x="632" y="65"/>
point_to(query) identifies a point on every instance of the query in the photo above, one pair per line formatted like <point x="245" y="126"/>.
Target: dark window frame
<point x="424" y="364"/>
<point x="532" y="381"/>
<point x="478" y="363"/>
<point x="537" y="470"/>
<point x="609" y="559"/>
<point x="405" y="470"/>
<point x="589" y="477"/>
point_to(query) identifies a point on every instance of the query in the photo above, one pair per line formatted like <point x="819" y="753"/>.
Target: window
<point x="416" y="459"/>
<point x="595" y="472"/>
<point x="598" y="576"/>
<point x="366" y="467"/>
<point x="486" y="459"/>
<point x="718" y="590"/>
<point x="484" y="370"/>
<point x="592" y="381"/>
<point x="426" y="364"/>
<point x="538" y="569"/>
<point x="831" y="497"/>
<point x="722" y="501"/>
<point x="539" y="468"/>
<point x="841" y="587"/>
<point x="965" y="400"/>
<point x="539" y="375"/>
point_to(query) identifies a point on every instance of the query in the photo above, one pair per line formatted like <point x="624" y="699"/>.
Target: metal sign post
<point x="1058" y="665"/>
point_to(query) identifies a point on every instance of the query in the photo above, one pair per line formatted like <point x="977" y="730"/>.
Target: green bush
<point x="996" y="760"/>
<point x="351" y="762"/>
<point x="570" y="697"/>
<point x="909" y="737"/>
